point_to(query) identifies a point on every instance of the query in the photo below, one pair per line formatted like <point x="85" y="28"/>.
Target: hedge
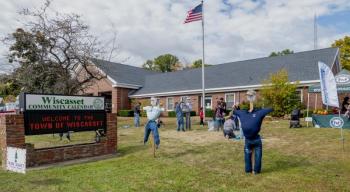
<point x="173" y="114"/>
<point x="126" y="113"/>
<point x="209" y="113"/>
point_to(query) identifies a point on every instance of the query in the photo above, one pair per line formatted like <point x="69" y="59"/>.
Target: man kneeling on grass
<point x="251" y="124"/>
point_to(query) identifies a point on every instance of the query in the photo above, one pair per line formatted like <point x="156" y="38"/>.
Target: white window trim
<point x="211" y="101"/>
<point x="301" y="95"/>
<point x="234" y="99"/>
<point x="167" y="109"/>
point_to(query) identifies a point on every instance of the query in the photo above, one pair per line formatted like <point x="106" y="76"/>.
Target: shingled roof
<point x="123" y="74"/>
<point x="301" y="66"/>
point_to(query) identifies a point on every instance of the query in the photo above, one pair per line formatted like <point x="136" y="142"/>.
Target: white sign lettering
<point x="308" y="119"/>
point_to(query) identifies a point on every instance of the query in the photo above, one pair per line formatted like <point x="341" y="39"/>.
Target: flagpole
<point x="203" y="62"/>
<point x="341" y="133"/>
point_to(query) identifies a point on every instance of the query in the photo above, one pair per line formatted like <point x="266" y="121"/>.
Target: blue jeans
<point x="151" y="126"/>
<point x="180" y="123"/>
<point x="218" y="124"/>
<point x="255" y="144"/>
<point x="137" y="120"/>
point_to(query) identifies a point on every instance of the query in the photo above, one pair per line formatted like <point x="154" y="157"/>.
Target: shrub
<point x="171" y="114"/>
<point x="245" y="105"/>
<point x="280" y="94"/>
<point x="209" y="113"/>
<point x="193" y="113"/>
<point x="126" y="113"/>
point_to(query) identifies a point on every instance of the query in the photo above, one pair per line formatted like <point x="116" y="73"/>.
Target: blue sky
<point x="234" y="29"/>
<point x="339" y="21"/>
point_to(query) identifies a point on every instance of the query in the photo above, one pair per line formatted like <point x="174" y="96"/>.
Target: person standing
<point x="345" y="104"/>
<point x="179" y="117"/>
<point x="201" y="116"/>
<point x="188" y="107"/>
<point x="219" y="116"/>
<point x="153" y="113"/>
<point x="137" y="113"/>
<point x="236" y="107"/>
<point x="251" y="121"/>
<point x="224" y="109"/>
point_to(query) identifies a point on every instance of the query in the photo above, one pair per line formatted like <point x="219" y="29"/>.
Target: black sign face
<point x="46" y="122"/>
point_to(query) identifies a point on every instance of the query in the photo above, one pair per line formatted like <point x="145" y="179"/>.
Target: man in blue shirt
<point x="251" y="121"/>
<point x="179" y="116"/>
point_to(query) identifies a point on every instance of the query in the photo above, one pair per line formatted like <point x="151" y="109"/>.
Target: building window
<point x="208" y="102"/>
<point x="230" y="99"/>
<point x="298" y="96"/>
<point x="170" y="104"/>
<point x="158" y="102"/>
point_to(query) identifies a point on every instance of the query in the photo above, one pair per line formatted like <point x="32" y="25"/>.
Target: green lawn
<point x="307" y="159"/>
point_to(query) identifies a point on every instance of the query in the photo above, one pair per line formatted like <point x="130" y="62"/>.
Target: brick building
<point x="122" y="80"/>
<point x="229" y="81"/>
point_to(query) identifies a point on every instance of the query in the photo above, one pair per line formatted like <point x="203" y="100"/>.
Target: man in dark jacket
<point x="251" y="121"/>
<point x="137" y="112"/>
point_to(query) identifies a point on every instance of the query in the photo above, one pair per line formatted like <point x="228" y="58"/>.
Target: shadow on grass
<point x="48" y="182"/>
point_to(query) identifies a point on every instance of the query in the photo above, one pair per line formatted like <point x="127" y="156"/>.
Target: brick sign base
<point x="12" y="135"/>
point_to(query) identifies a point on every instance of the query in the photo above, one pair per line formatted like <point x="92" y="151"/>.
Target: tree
<point x="9" y="88"/>
<point x="344" y="46"/>
<point x="278" y="93"/>
<point x="198" y="64"/>
<point x="163" y="63"/>
<point x="166" y="63"/>
<point x="54" y="53"/>
<point x="149" y="65"/>
<point x="281" y="53"/>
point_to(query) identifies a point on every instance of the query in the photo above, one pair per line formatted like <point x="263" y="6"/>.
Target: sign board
<point x="16" y="160"/>
<point x="308" y="119"/>
<point x="46" y="122"/>
<point x="35" y="102"/>
<point x="46" y="114"/>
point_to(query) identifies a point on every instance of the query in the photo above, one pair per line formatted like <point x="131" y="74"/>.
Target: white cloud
<point x="148" y="28"/>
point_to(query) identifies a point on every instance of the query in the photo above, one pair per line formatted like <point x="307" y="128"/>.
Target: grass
<point x="306" y="159"/>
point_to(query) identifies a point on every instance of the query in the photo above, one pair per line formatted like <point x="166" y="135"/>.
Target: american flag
<point x="194" y="14"/>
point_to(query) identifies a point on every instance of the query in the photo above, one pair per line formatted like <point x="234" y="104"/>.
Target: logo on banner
<point x="336" y="122"/>
<point x="98" y="103"/>
<point x="342" y="79"/>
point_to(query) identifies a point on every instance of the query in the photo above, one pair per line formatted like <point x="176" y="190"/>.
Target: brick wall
<point x="120" y="99"/>
<point x="120" y="96"/>
<point x="12" y="134"/>
<point x="103" y="85"/>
